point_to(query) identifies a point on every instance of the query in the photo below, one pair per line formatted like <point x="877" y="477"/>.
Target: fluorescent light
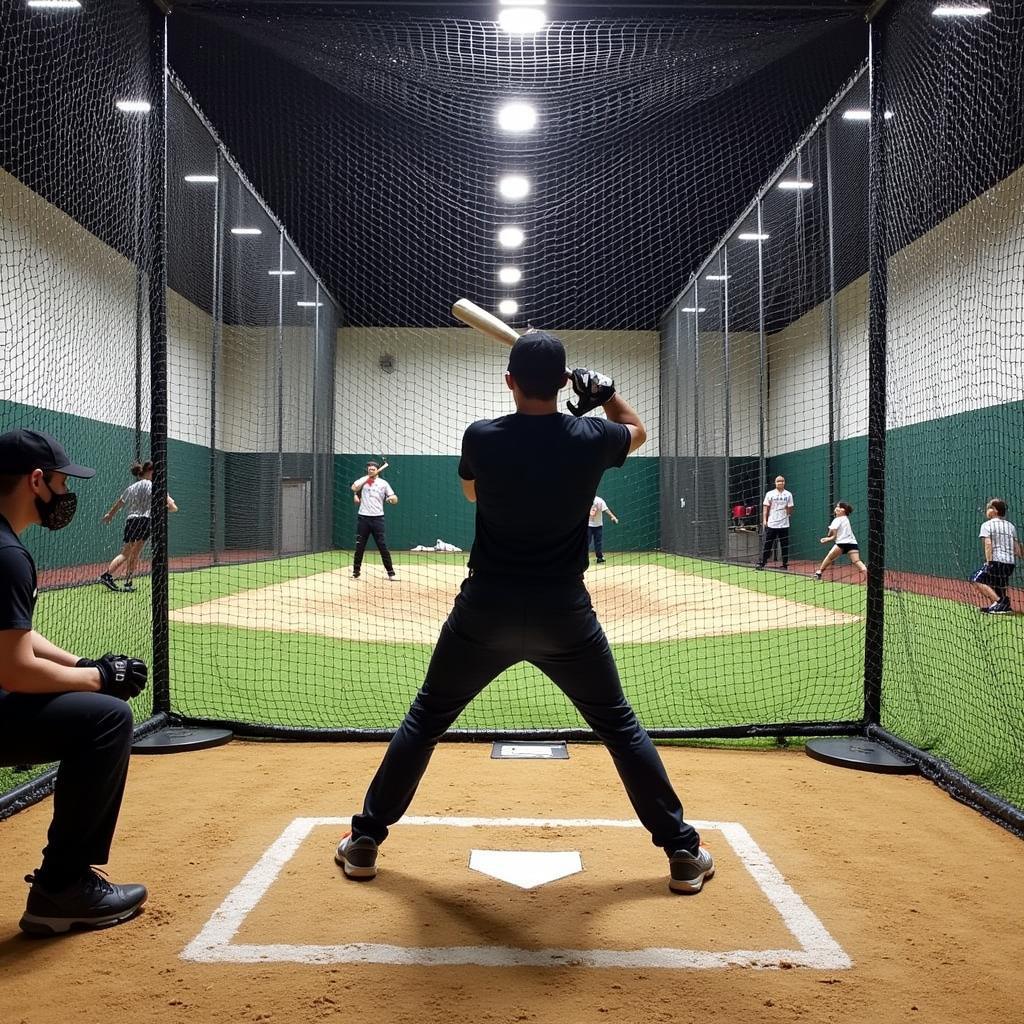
<point x="517" y="117"/>
<point x="522" y="21"/>
<point x="281" y="273"/>
<point x="511" y="237"/>
<point x="752" y="236"/>
<point x="694" y="309"/>
<point x="795" y="185"/>
<point x="309" y="305"/>
<point x="54" y="5"/>
<point x="717" y="277"/>
<point x="959" y="11"/>
<point x="514" y="186"/>
<point x="522" y="3"/>
<point x="860" y="114"/>
<point x="201" y="179"/>
<point x="510" y="275"/>
<point x="508" y="306"/>
<point x="133" y="106"/>
<point x="247" y="231"/>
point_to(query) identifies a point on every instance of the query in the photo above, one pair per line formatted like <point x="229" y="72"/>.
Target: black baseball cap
<point x="372" y="462"/>
<point x="22" y="451"/>
<point x="537" y="361"/>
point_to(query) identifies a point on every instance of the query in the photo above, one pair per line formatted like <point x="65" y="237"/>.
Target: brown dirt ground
<point x="923" y="894"/>
<point x="635" y="603"/>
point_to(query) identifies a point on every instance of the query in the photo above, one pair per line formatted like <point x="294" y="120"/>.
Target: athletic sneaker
<point x="600" y="561"/>
<point x="759" y="565"/>
<point x="392" y="576"/>
<point x="1001" y="607"/>
<point x="357" y="857"/>
<point x="688" y="871"/>
<point x="109" y="582"/>
<point x="355" y="575"/>
<point x="91" y="902"/>
<point x="129" y="587"/>
<point x="817" y="576"/>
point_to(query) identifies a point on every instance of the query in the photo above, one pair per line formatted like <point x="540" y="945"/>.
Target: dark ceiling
<point x="370" y="132"/>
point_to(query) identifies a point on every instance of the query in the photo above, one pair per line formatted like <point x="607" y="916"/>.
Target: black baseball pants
<point x="91" y="735"/>
<point x="367" y="526"/>
<point x="771" y="534"/>
<point x="494" y="624"/>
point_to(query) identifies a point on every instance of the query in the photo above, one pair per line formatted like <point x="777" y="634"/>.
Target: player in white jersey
<point x="136" y="500"/>
<point x="776" y="511"/>
<point x="595" y="527"/>
<point x="1002" y="549"/>
<point x="841" y="536"/>
<point x="371" y="493"/>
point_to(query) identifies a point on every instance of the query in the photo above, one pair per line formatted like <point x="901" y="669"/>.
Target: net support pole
<point x="315" y="517"/>
<point x="217" y="343"/>
<point x="833" y="321"/>
<point x="762" y="367"/>
<point x="156" y="195"/>
<point x="723" y="267"/>
<point x="279" y="497"/>
<point x="141" y="172"/>
<point x="696" y="515"/>
<point x="877" y="342"/>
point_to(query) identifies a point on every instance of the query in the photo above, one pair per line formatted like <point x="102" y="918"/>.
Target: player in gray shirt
<point x="136" y="500"/>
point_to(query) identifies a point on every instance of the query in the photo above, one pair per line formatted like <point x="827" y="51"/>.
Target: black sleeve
<point x="616" y="444"/>
<point x="466" y="470"/>
<point x="17" y="589"/>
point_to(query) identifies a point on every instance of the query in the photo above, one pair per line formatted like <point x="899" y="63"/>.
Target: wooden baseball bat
<point x="472" y="315"/>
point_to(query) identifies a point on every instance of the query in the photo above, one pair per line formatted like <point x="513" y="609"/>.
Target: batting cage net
<point x="75" y="261"/>
<point x="801" y="266"/>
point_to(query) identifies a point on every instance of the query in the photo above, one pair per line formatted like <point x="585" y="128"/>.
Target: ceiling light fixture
<point x="514" y="186"/>
<point x="247" y="231"/>
<point x="522" y="21"/>
<point x="960" y="11"/>
<point x="511" y="237"/>
<point x="133" y="106"/>
<point x="510" y="275"/>
<point x="795" y="185"/>
<point x="201" y="179"/>
<point x="517" y="117"/>
<point x="507" y="307"/>
<point x="752" y="236"/>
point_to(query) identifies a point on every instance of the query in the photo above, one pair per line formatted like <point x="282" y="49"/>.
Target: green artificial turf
<point x="954" y="681"/>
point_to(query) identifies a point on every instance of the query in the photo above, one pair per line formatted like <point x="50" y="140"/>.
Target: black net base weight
<point x="178" y="739"/>
<point x="862" y="754"/>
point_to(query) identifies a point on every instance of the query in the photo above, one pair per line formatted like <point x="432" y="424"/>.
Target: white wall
<point x="445" y="378"/>
<point x="67" y="313"/>
<point x="67" y="324"/>
<point x="956" y="311"/>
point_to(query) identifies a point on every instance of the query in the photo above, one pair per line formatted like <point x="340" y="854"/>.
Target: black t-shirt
<point x="536" y="477"/>
<point x="17" y="581"/>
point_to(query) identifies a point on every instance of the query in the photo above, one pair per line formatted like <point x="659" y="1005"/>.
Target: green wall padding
<point x="431" y="504"/>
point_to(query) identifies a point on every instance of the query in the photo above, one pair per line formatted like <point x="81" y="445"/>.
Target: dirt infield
<point x="636" y="604"/>
<point x="920" y="894"/>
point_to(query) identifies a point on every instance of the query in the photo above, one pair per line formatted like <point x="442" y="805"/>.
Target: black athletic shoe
<point x="392" y="577"/>
<point x="600" y="561"/>
<point x="91" y="902"/>
<point x="689" y="871"/>
<point x="357" y="857"/>
<point x="355" y="575"/>
<point x="759" y="565"/>
<point x="129" y="587"/>
<point x="1000" y="608"/>
<point x="109" y="582"/>
<point x="817" y="576"/>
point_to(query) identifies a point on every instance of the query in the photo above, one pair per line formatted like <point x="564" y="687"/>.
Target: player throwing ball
<point x="371" y="493"/>
<point x="525" y="600"/>
<point x="840" y="535"/>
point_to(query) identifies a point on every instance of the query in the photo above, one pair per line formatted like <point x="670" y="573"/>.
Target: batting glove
<point x="120" y="676"/>
<point x="592" y="389"/>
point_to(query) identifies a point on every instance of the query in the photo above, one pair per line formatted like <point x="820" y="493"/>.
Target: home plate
<point x="523" y="868"/>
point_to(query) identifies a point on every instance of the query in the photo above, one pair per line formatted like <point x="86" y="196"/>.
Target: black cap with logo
<point x="22" y="451"/>
<point x="537" y="361"/>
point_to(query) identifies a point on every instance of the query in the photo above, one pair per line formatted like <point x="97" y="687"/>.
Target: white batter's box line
<point x="816" y="947"/>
